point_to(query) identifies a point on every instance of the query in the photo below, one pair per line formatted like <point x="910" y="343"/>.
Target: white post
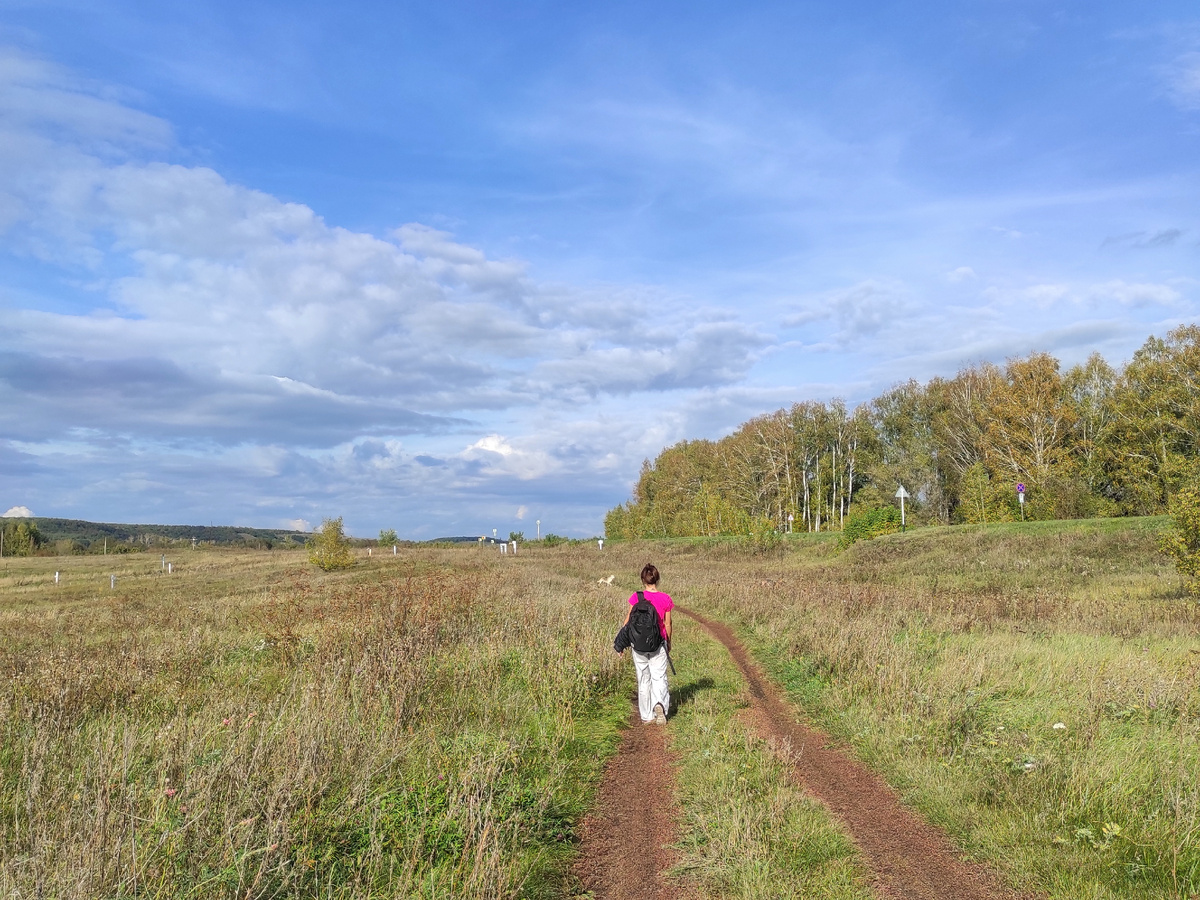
<point x="514" y="543"/>
<point x="168" y="568"/>
<point x="393" y="549"/>
<point x="56" y="578"/>
<point x="164" y="561"/>
<point x="112" y="581"/>
<point x="901" y="495"/>
<point x="368" y="551"/>
<point x="539" y="528"/>
<point x="600" y="541"/>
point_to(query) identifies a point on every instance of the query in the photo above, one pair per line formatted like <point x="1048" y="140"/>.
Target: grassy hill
<point x="82" y="536"/>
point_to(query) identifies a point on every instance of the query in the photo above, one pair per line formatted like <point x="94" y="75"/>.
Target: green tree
<point x="981" y="499"/>
<point x="21" y="538"/>
<point x="901" y="448"/>
<point x="388" y="536"/>
<point x="865" y="524"/>
<point x="1182" y="540"/>
<point x="1155" y="432"/>
<point x="329" y="548"/>
<point x="518" y="536"/>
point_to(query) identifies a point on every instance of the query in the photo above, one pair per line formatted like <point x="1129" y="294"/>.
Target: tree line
<point x="1088" y="441"/>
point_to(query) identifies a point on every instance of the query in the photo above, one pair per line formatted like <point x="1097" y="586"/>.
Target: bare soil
<point x="626" y="838"/>
<point x="910" y="859"/>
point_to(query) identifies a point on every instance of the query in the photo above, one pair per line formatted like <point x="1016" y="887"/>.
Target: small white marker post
<point x="368" y="551"/>
<point x="112" y="582"/>
<point x="1021" y="498"/>
<point x="393" y="549"/>
<point x="56" y="578"/>
<point x="164" y="562"/>
<point x="902" y="494"/>
<point x="503" y="549"/>
<point x="168" y="568"/>
<point x="791" y="519"/>
<point x="600" y="541"/>
<point x="539" y="528"/>
<point x="514" y="543"/>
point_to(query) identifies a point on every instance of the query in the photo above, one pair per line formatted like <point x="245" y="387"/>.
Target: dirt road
<point x="624" y="847"/>
<point x="626" y="837"/>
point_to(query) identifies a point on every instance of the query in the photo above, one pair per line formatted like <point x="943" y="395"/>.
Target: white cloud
<point x="259" y="305"/>
<point x="18" y="512"/>
<point x="298" y="525"/>
<point x="962" y="273"/>
<point x="1138" y="295"/>
<point x="500" y="458"/>
<point x="1118" y="293"/>
<point x="522" y="512"/>
<point x="1183" y="80"/>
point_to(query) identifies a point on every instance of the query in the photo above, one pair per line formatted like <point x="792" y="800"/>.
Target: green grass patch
<point x="751" y="832"/>
<point x="1050" y="722"/>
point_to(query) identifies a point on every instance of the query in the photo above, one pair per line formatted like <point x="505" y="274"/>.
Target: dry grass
<point x="946" y="657"/>
<point x="425" y="725"/>
<point x="248" y="727"/>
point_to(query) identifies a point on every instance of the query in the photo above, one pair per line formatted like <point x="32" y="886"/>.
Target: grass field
<point x="420" y="726"/>
<point x="1034" y="690"/>
<point x="433" y="724"/>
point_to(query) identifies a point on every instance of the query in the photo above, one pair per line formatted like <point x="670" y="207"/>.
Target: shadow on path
<point x="682" y="694"/>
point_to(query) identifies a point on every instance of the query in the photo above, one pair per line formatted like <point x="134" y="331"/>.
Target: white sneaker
<point x="660" y="717"/>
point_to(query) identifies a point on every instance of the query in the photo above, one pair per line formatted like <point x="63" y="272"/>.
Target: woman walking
<point x="647" y="632"/>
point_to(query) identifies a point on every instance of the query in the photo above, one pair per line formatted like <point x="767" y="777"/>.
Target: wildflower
<point x="224" y="721"/>
<point x="1059" y="726"/>
<point x="170" y="792"/>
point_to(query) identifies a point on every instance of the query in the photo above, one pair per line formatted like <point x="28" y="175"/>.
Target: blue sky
<point x="453" y="267"/>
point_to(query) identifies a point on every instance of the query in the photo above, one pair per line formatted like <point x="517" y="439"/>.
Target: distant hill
<point x="86" y="534"/>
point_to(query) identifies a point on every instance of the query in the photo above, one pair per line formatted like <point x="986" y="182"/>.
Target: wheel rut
<point x="625" y="840"/>
<point x="910" y="858"/>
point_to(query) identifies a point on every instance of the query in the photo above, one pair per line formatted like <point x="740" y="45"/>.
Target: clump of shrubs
<point x="329" y="548"/>
<point x="1181" y="541"/>
<point x="863" y="525"/>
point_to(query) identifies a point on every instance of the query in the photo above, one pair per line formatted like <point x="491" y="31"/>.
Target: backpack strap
<point x="641" y="596"/>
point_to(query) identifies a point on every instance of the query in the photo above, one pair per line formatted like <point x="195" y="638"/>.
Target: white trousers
<point x="652" y="682"/>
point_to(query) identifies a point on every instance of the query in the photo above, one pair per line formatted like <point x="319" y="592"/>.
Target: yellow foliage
<point x="328" y="548"/>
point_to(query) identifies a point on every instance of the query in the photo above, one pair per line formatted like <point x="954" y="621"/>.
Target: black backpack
<point x="644" y="632"/>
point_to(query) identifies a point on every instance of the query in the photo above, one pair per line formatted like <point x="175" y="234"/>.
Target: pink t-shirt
<point x="662" y="602"/>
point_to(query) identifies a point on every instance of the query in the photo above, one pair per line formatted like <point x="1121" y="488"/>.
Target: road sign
<point x="901" y="495"/>
<point x="1020" y="488"/>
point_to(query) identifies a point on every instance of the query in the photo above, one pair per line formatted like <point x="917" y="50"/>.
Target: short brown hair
<point x="649" y="574"/>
